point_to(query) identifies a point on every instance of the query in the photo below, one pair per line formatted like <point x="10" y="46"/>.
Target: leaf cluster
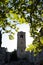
<point x="13" y="12"/>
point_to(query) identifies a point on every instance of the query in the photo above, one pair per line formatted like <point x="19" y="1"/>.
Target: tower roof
<point x="21" y="32"/>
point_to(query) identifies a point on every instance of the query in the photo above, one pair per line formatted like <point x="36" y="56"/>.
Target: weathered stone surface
<point x="21" y="43"/>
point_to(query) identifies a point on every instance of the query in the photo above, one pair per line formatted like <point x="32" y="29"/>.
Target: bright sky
<point x="12" y="44"/>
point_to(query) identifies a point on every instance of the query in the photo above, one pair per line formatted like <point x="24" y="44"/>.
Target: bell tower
<point x="21" y="43"/>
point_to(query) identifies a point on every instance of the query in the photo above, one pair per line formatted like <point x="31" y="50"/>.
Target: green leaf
<point x="30" y="2"/>
<point x="7" y="31"/>
<point x="11" y="37"/>
<point x="41" y="40"/>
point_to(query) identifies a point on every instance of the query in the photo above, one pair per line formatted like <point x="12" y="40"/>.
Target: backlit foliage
<point x="23" y="11"/>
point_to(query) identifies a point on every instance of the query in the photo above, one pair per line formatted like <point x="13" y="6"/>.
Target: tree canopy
<point x="13" y="12"/>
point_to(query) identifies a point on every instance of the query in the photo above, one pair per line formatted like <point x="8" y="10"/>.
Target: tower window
<point x="21" y="36"/>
